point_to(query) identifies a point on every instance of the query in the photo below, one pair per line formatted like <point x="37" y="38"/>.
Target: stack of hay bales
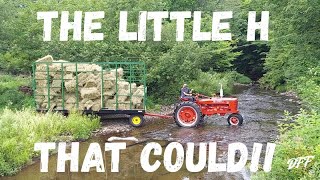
<point x="87" y="84"/>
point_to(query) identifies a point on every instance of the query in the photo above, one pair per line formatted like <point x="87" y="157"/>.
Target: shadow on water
<point x="261" y="110"/>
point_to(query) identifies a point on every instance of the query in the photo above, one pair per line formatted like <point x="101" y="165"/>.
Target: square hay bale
<point x="96" y="105"/>
<point x="107" y="84"/>
<point x="90" y="93"/>
<point x="123" y="84"/>
<point x="117" y="72"/>
<point x="41" y="83"/>
<point x="70" y="106"/>
<point x="68" y="76"/>
<point x="72" y="67"/>
<point x="125" y="105"/>
<point x="41" y="68"/>
<point x="40" y="75"/>
<point x="55" y="67"/>
<point x="109" y="92"/>
<point x="56" y="85"/>
<point x="91" y="83"/>
<point x="70" y="99"/>
<point x="110" y="103"/>
<point x="82" y="78"/>
<point x="133" y="87"/>
<point x="70" y="85"/>
<point x="52" y="93"/>
<point x="89" y="104"/>
<point x="94" y="67"/>
<point x="47" y="58"/>
<point x="138" y="95"/>
<point x="139" y="106"/>
<point x="107" y="75"/>
<point x="82" y="104"/>
<point x="123" y="94"/>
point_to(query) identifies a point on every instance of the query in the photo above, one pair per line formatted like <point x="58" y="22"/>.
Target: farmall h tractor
<point x="190" y="113"/>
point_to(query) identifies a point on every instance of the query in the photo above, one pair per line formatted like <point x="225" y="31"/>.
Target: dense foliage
<point x="18" y="134"/>
<point x="10" y="96"/>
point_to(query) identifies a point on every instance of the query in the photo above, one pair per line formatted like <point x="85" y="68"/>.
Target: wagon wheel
<point x="136" y="120"/>
<point x="187" y="114"/>
<point x="235" y="120"/>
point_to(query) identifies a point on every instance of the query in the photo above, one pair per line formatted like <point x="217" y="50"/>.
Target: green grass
<point x="10" y="96"/>
<point x="21" y="129"/>
<point x="297" y="139"/>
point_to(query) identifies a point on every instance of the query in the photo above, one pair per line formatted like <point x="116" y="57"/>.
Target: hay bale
<point x="69" y="106"/>
<point x="41" y="68"/>
<point x="90" y="93"/>
<point x="56" y="85"/>
<point x="93" y="67"/>
<point x="47" y="58"/>
<point x="123" y="95"/>
<point x="139" y="106"/>
<point x="96" y="105"/>
<point x="52" y="93"/>
<point x="123" y="84"/>
<point x="138" y="95"/>
<point x="91" y="81"/>
<point x="124" y="105"/>
<point x="41" y="83"/>
<point x="41" y="75"/>
<point x="55" y="67"/>
<point x="109" y="92"/>
<point x="70" y="99"/>
<point x="82" y="104"/>
<point x="117" y="72"/>
<point x="108" y="75"/>
<point x="133" y="87"/>
<point x="89" y="104"/>
<point x="68" y="76"/>
<point x="72" y="67"/>
<point x="110" y="103"/>
<point x="82" y="78"/>
<point x="70" y="85"/>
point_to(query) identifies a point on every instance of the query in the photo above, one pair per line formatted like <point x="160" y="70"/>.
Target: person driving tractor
<point x="186" y="93"/>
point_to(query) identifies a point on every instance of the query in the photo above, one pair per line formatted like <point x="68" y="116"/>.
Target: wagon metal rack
<point x="133" y="72"/>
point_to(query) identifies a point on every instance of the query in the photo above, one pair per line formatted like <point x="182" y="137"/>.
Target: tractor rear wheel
<point x="235" y="120"/>
<point x="187" y="114"/>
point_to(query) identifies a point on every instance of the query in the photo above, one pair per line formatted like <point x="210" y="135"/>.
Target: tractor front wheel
<point x="235" y="120"/>
<point x="136" y="120"/>
<point x="187" y="114"/>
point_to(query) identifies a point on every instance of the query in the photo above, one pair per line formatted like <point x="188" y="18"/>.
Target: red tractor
<point x="190" y="113"/>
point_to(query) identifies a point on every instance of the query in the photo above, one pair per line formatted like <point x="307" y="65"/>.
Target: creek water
<point x="261" y="110"/>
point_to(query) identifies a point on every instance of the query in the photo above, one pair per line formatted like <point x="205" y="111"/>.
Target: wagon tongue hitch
<point x="164" y="116"/>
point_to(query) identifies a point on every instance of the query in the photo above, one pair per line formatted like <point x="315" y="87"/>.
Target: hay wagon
<point x="101" y="88"/>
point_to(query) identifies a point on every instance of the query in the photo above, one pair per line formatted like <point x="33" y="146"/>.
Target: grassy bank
<point x="300" y="138"/>
<point x="297" y="139"/>
<point x="21" y="129"/>
<point x="10" y="96"/>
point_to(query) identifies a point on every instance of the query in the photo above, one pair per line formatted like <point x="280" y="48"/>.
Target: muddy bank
<point x="261" y="109"/>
